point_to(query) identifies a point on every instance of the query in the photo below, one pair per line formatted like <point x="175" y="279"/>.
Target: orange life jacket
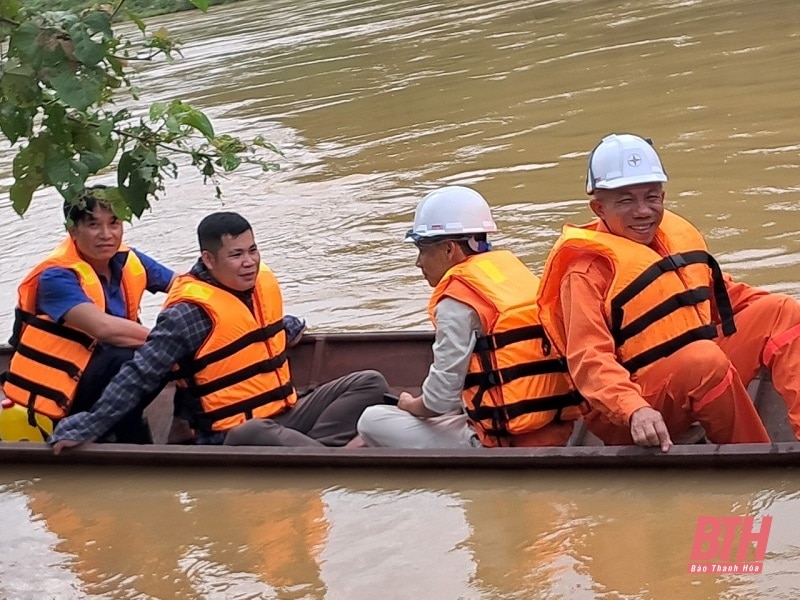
<point x="516" y="383"/>
<point x="49" y="358"/>
<point x="655" y="304"/>
<point x="241" y="370"/>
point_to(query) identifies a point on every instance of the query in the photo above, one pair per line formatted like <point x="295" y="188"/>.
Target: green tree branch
<point x="60" y="74"/>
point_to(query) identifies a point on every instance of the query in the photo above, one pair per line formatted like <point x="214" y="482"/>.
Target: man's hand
<point x="648" y="429"/>
<point x="414" y="406"/>
<point x="62" y="445"/>
<point x="406" y="402"/>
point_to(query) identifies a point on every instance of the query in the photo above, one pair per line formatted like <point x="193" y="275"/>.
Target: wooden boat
<point x="403" y="357"/>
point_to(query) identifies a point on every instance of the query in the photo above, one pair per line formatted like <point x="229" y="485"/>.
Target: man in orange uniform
<point x="494" y="380"/>
<point x="654" y="334"/>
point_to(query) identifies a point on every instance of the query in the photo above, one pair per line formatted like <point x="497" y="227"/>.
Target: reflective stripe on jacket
<point x="49" y="358"/>
<point x="241" y="370"/>
<point x="516" y="383"/>
<point x="655" y="304"/>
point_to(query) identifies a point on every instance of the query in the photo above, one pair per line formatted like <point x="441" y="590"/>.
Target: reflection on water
<point x="374" y="103"/>
<point x="247" y="534"/>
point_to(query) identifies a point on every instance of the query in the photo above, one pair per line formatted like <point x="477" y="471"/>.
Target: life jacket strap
<point x="503" y="414"/>
<point x="71" y="369"/>
<point x="194" y="366"/>
<point x="57" y="329"/>
<point x="721" y="298"/>
<point x="661" y="310"/>
<point x="263" y="366"/>
<point x="704" y="332"/>
<point x="501" y="340"/>
<point x="495" y="377"/>
<point x="205" y="421"/>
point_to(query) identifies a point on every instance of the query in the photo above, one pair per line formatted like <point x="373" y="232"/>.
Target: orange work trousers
<point x="768" y="335"/>
<point x="556" y="433"/>
<point x="696" y="383"/>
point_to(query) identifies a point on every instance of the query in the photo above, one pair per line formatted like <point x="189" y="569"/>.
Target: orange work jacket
<point x="655" y="304"/>
<point x="49" y="358"/>
<point x="241" y="370"/>
<point x="516" y="383"/>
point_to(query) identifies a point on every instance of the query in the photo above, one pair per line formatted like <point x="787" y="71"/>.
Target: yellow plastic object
<point x="14" y="425"/>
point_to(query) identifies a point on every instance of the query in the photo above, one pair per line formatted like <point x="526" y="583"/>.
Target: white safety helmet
<point x="623" y="159"/>
<point x="453" y="210"/>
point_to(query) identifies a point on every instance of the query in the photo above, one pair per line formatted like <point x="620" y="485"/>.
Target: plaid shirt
<point x="179" y="332"/>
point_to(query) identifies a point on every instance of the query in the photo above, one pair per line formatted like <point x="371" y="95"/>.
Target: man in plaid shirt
<point x="229" y="261"/>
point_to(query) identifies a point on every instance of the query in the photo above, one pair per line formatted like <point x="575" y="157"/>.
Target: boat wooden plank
<point x="404" y="357"/>
<point x="698" y="456"/>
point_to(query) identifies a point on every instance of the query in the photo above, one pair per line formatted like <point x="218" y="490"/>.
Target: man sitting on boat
<point x="494" y="380"/>
<point x="223" y="336"/>
<point x="77" y="319"/>
<point x="655" y="335"/>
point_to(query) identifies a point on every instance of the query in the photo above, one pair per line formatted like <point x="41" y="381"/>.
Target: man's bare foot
<point x="180" y="432"/>
<point x="69" y="444"/>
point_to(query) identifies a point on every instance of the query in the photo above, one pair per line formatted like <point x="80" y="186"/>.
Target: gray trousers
<point x="325" y="417"/>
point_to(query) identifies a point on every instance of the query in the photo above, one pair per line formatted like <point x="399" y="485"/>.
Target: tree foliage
<point x="60" y="75"/>
<point x="140" y="7"/>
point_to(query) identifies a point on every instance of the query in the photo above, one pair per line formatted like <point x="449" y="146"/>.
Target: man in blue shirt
<point x="91" y="283"/>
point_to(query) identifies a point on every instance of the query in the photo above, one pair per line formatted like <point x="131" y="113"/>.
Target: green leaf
<point x="85" y="48"/>
<point x="229" y="162"/>
<point x="95" y="142"/>
<point x="77" y="91"/>
<point x="157" y="110"/>
<point x="199" y="121"/>
<point x="226" y="143"/>
<point x="9" y="9"/>
<point x="117" y="202"/>
<point x="116" y="66"/>
<point x="93" y="162"/>
<point x="56" y="167"/>
<point x="201" y="4"/>
<point x="25" y="41"/>
<point x="28" y="170"/>
<point x="99" y="21"/>
<point x="60" y="129"/>
<point x="20" y="88"/>
<point x="21" y="193"/>
<point x="136" y="19"/>
<point x="259" y="141"/>
<point x="15" y="121"/>
<point x="133" y="187"/>
<point x="173" y="126"/>
<point x="19" y="97"/>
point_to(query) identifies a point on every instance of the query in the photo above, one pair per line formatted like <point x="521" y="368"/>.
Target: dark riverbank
<point x="143" y="8"/>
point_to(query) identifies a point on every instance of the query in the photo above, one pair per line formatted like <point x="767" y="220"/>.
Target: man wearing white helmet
<point x="494" y="380"/>
<point x="654" y="334"/>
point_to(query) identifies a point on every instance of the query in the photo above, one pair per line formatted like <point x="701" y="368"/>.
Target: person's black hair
<point x="215" y="226"/>
<point x="460" y="239"/>
<point x="77" y="211"/>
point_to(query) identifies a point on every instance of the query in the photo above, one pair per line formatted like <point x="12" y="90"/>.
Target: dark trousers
<point x="325" y="417"/>
<point x="103" y="366"/>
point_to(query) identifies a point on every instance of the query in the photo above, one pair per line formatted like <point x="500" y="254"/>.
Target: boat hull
<point x="404" y="358"/>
